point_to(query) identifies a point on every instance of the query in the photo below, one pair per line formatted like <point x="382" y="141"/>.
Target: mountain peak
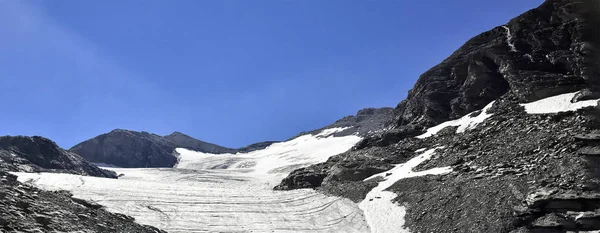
<point x="177" y="133"/>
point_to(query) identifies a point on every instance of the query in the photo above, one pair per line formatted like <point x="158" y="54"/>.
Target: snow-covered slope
<point x="558" y="103"/>
<point x="276" y="161"/>
<point x="223" y="193"/>
<point x="383" y="215"/>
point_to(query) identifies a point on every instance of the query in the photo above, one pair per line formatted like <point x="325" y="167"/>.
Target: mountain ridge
<point x="39" y="154"/>
<point x="128" y="148"/>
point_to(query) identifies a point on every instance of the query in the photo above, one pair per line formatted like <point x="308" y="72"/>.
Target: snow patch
<point x="330" y="131"/>
<point x="509" y="39"/>
<point x="381" y="213"/>
<point x="463" y="123"/>
<point x="556" y="104"/>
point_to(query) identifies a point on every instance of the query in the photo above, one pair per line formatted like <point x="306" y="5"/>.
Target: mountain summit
<point x="126" y="148"/>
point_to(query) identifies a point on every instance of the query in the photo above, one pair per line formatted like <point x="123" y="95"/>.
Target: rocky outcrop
<point x="184" y="141"/>
<point x="366" y="122"/>
<point x="543" y="52"/>
<point x="38" y="154"/>
<point x="27" y="209"/>
<point x="546" y="51"/>
<point x="255" y="146"/>
<point x="126" y="148"/>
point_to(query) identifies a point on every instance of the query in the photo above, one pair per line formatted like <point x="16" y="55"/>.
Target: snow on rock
<point x="556" y="104"/>
<point x="223" y="193"/>
<point x="381" y="213"/>
<point x="463" y="123"/>
<point x="509" y="39"/>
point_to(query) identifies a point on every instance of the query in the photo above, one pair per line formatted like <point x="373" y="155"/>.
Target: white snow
<point x="223" y="193"/>
<point x="509" y="39"/>
<point x="274" y="162"/>
<point x="463" y="123"/>
<point x="556" y="104"/>
<point x="381" y="213"/>
<point x="105" y="165"/>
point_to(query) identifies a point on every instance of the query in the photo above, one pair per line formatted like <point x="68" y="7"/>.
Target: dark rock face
<point x="126" y="148"/>
<point x="541" y="53"/>
<point x="38" y="154"/>
<point x="255" y="146"/>
<point x="366" y="122"/>
<point x="28" y="209"/>
<point x="185" y="141"/>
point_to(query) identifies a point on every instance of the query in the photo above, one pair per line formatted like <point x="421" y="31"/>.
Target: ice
<point x="463" y="123"/>
<point x="381" y="213"/>
<point x="223" y="193"/>
<point x="556" y="104"/>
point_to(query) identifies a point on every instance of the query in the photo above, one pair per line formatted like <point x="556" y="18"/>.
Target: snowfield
<point x="556" y="104"/>
<point x="223" y="193"/>
<point x="384" y="216"/>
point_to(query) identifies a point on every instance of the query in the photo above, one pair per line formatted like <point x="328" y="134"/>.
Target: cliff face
<point x="549" y="50"/>
<point x="38" y="154"/>
<point x="543" y="52"/>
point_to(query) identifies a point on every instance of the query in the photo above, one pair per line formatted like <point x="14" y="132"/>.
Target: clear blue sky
<point x="231" y="72"/>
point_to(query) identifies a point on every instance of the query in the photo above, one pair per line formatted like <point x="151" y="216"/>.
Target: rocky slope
<point x="27" y="209"/>
<point x="546" y="51"/>
<point x="366" y="122"/>
<point x="38" y="154"/>
<point x="515" y="172"/>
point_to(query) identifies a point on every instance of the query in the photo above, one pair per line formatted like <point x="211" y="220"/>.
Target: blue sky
<point x="231" y="72"/>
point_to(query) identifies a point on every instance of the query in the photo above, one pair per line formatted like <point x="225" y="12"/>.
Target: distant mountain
<point x="38" y="154"/>
<point x="126" y="148"/>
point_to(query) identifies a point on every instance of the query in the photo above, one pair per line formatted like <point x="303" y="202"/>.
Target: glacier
<point x="223" y="192"/>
